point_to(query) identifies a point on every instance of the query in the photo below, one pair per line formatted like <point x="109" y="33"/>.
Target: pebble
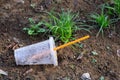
<point x="28" y="71"/>
<point x="102" y="78"/>
<point x="19" y="1"/>
<point x="16" y="40"/>
<point x="3" y="72"/>
<point x="94" y="53"/>
<point x="118" y="52"/>
<point x="85" y="76"/>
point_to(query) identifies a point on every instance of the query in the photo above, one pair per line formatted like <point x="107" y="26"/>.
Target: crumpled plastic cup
<point x="38" y="53"/>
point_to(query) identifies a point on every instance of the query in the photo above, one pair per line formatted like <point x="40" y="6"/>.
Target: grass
<point x="115" y="8"/>
<point x="61" y="25"/>
<point x="110" y="14"/>
<point x="34" y="28"/>
<point x="107" y="16"/>
<point x="102" y="20"/>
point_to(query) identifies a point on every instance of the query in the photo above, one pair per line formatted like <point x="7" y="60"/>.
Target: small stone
<point x="66" y="78"/>
<point x="85" y="76"/>
<point x="7" y="6"/>
<point x="33" y="5"/>
<point x="41" y="8"/>
<point x="3" y="72"/>
<point x="21" y="45"/>
<point x="108" y="48"/>
<point x="94" y="53"/>
<point x="16" y="40"/>
<point x="94" y="60"/>
<point x="80" y="56"/>
<point x="112" y="34"/>
<point x="28" y="71"/>
<point x="19" y="1"/>
<point x="118" y="52"/>
<point x="4" y="34"/>
<point x="102" y="78"/>
<point x="72" y="66"/>
<point x="58" y="1"/>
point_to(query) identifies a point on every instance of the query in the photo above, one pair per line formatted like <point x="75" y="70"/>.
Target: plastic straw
<point x="72" y="42"/>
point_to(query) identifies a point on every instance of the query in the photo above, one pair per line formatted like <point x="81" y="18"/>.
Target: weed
<point x="34" y="28"/>
<point x="61" y="24"/>
<point x="102" y="20"/>
<point x="115" y="8"/>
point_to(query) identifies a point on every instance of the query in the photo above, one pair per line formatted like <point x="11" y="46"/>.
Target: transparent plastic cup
<point x="41" y="53"/>
<point x="38" y="53"/>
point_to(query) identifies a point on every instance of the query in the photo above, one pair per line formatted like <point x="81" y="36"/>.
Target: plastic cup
<point x="38" y="53"/>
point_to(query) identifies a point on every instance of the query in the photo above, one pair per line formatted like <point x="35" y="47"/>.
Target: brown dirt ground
<point x="14" y="16"/>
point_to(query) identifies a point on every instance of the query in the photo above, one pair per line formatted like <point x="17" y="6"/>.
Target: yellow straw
<point x="73" y="42"/>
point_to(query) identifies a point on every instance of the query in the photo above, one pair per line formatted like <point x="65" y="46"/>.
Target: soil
<point x="14" y="16"/>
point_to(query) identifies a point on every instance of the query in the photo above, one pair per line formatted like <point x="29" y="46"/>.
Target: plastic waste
<point x="39" y="53"/>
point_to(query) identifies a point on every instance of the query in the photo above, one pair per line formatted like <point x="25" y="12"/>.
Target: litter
<point x="3" y="72"/>
<point x="41" y="53"/>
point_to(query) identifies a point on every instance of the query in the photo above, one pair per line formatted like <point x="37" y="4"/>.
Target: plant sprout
<point x="34" y="28"/>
